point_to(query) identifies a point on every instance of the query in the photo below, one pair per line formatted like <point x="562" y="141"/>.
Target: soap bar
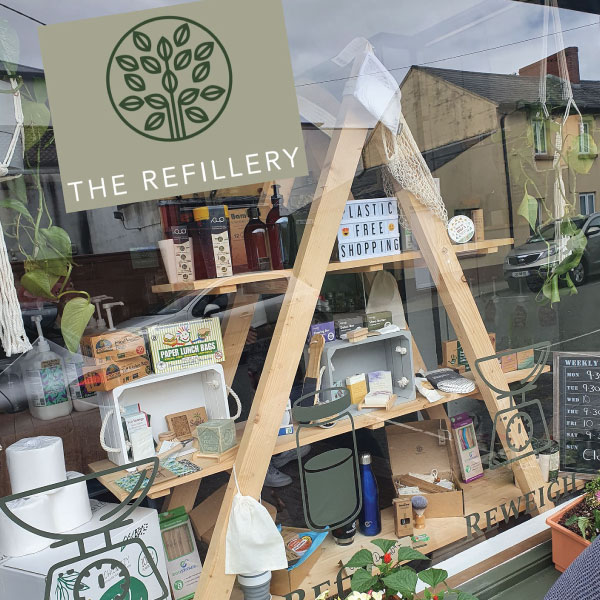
<point x="216" y="436"/>
<point x="346" y="323"/>
<point x="357" y="386"/>
<point x="378" y="320"/>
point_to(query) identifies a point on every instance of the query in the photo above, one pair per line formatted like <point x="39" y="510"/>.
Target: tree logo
<point x="169" y="78"/>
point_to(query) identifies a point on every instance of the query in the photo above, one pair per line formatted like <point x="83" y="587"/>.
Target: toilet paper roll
<point x="70" y="505"/>
<point x="35" y="462"/>
<point x="16" y="541"/>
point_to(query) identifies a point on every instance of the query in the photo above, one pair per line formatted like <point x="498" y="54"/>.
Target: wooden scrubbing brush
<point x="419" y="504"/>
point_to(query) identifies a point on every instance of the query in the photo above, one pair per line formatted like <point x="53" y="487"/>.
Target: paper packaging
<point x="327" y="330"/>
<point x="113" y="345"/>
<point x="109" y="375"/>
<point x="285" y="581"/>
<point x="35" y="462"/>
<point x="466" y="447"/>
<point x="377" y="320"/>
<point x="204" y="516"/>
<point x="183" y="561"/>
<point x="477" y="218"/>
<point x="453" y="356"/>
<point x="167" y="252"/>
<point x="186" y="344"/>
<point x="70" y="505"/>
<point x="403" y="516"/>
<point x="346" y="323"/>
<point x="357" y="386"/>
<point x="16" y="541"/>
<point x="238" y="219"/>
<point x="25" y="577"/>
<point x="419" y="452"/>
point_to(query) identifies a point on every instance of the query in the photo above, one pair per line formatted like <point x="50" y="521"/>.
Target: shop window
<point x="587" y="203"/>
<point x="539" y="137"/>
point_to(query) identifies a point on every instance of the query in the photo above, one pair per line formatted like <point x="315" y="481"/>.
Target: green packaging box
<point x="377" y="320"/>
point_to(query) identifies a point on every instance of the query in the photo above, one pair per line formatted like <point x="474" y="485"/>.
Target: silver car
<point x="540" y="254"/>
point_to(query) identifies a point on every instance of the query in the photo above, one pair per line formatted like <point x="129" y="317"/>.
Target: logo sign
<point x="172" y="101"/>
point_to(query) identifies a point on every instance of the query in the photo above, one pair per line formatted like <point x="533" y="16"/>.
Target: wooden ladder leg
<point x="260" y="434"/>
<point x="453" y="288"/>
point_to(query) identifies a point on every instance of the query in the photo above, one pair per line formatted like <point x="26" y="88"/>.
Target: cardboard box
<point x="181" y="553"/>
<point x="453" y="355"/>
<point x="110" y="346"/>
<point x="238" y="219"/>
<point x="377" y="320"/>
<point x="419" y="452"/>
<point x="346" y="323"/>
<point x="185" y="345"/>
<point x="477" y="217"/>
<point x="204" y="516"/>
<point x="327" y="330"/>
<point x="109" y="375"/>
<point x="508" y="362"/>
<point x="403" y="516"/>
<point x="25" y="576"/>
<point x="286" y="581"/>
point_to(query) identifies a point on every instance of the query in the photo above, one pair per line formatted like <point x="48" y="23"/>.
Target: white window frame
<point x="584" y="139"/>
<point x="540" y="146"/>
<point x="587" y="201"/>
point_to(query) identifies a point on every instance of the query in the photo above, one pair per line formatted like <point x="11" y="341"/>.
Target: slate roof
<point x="511" y="90"/>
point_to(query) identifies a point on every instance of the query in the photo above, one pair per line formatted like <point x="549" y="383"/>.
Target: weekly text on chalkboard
<point x="577" y="411"/>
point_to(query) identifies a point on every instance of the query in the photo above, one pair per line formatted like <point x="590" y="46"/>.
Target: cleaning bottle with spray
<point x="45" y="380"/>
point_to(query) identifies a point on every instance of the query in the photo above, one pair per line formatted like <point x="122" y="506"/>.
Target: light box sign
<point x="172" y="101"/>
<point x="369" y="228"/>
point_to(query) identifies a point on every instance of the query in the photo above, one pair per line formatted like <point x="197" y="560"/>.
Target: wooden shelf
<point x="225" y="285"/>
<point x="371" y="419"/>
<point x="491" y="491"/>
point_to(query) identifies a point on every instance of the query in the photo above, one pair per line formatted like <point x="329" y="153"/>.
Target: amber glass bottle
<point x="255" y="239"/>
<point x="282" y="234"/>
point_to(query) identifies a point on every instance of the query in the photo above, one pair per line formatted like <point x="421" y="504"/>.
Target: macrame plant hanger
<point x="559" y="198"/>
<point x="12" y="332"/>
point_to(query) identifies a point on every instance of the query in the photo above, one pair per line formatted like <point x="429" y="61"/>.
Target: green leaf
<point x="169" y="81"/>
<point x="154" y="121"/>
<point x="212" y="92"/>
<point x="183" y="60"/>
<point x="58" y="240"/>
<point x="196" y="114"/>
<point x="156" y="101"/>
<point x="142" y="41"/>
<point x="135" y="82"/>
<point x="39" y="90"/>
<point x="528" y="209"/>
<point x="17" y="205"/>
<point x="164" y="48"/>
<point x="583" y="523"/>
<point x="151" y="64"/>
<point x="403" y="581"/>
<point x="201" y="71"/>
<point x="362" y="581"/>
<point x="76" y="315"/>
<point x="127" y="62"/>
<point x="405" y="553"/>
<point x="39" y="283"/>
<point x="385" y="545"/>
<point x="188" y="96"/>
<point x="362" y="558"/>
<point x="571" y="520"/>
<point x="131" y="103"/>
<point x="433" y="577"/>
<point x="181" y="35"/>
<point x="204" y="50"/>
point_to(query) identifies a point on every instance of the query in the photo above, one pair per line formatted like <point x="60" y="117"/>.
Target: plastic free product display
<point x="211" y="238"/>
<point x="257" y="245"/>
<point x="466" y="447"/>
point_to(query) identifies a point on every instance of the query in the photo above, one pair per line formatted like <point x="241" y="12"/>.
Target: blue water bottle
<point x="369" y="520"/>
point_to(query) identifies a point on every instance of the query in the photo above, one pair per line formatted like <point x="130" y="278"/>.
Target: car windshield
<point x="546" y="234"/>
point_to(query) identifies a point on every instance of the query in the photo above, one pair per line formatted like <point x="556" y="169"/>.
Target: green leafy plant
<point x="388" y="577"/>
<point x="589" y="526"/>
<point x="44" y="247"/>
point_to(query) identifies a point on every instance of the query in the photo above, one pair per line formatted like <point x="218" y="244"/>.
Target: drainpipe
<point x="507" y="178"/>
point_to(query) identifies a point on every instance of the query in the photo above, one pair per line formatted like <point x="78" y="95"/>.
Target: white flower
<point x="323" y="596"/>
<point x="376" y="595"/>
<point x="357" y="596"/>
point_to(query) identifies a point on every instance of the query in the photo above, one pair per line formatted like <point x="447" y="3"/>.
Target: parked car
<point x="540" y="254"/>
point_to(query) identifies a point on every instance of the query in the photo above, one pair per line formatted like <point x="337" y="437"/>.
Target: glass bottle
<point x="255" y="239"/>
<point x="282" y="234"/>
<point x="369" y="520"/>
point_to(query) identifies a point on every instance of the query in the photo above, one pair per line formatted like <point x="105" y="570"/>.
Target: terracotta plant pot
<point x="566" y="545"/>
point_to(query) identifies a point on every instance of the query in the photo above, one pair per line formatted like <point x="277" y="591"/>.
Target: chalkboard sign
<point x="577" y="411"/>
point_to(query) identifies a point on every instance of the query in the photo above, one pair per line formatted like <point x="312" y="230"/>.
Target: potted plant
<point x="387" y="578"/>
<point x="576" y="526"/>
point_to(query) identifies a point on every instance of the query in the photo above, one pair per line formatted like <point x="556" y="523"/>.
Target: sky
<point x="477" y="35"/>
